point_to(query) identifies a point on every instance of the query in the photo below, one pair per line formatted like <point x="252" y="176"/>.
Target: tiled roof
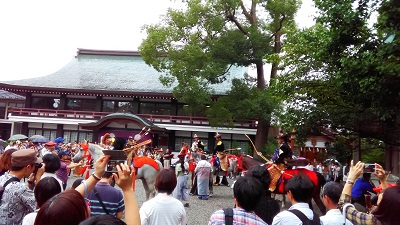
<point x="10" y="96"/>
<point x="119" y="71"/>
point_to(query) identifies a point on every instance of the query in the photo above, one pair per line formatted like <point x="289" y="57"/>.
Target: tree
<point x="196" y="47"/>
<point x="342" y="75"/>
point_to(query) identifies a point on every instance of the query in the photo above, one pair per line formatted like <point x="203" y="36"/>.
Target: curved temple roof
<point x="95" y="71"/>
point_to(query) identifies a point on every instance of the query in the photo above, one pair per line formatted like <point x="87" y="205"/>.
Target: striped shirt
<point x="240" y="217"/>
<point x="112" y="198"/>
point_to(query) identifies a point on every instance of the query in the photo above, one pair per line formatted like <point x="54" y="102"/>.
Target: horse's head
<point x="78" y="156"/>
<point x="96" y="151"/>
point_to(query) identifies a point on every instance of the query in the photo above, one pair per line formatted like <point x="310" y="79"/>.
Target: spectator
<point x="267" y="208"/>
<point x="320" y="168"/>
<point x="330" y="197"/>
<point x="181" y="191"/>
<point x="111" y="198"/>
<point x="52" y="164"/>
<point x="247" y="192"/>
<point x="44" y="190"/>
<point x="71" y="208"/>
<point x="18" y="200"/>
<point x="76" y="183"/>
<point x="62" y="172"/>
<point x="163" y="209"/>
<point x="387" y="211"/>
<point x="299" y="191"/>
<point x="361" y="187"/>
<point x="167" y="158"/>
<point x="124" y="181"/>
<point x="202" y="180"/>
<point x="104" y="219"/>
<point x="10" y="145"/>
<point x="5" y="161"/>
<point x="49" y="147"/>
<point x="345" y="172"/>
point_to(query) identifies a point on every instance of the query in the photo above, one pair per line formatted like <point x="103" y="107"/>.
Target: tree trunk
<point x="392" y="157"/>
<point x="260" y="75"/>
<point x="261" y="135"/>
<point x="277" y="49"/>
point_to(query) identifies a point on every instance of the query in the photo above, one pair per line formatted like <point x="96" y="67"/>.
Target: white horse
<point x="146" y="173"/>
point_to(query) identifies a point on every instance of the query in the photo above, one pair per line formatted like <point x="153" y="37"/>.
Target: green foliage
<point x="340" y="150"/>
<point x="341" y="75"/>
<point x="372" y="151"/>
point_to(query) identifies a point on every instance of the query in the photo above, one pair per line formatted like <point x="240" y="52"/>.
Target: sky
<point x="39" y="37"/>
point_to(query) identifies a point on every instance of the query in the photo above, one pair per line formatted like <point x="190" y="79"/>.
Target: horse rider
<point x="281" y="155"/>
<point x="197" y="144"/>
<point x="106" y="141"/>
<point x="283" y="152"/>
<point x="220" y="159"/>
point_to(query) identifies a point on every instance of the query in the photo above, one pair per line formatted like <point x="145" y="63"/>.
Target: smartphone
<point x="116" y="158"/>
<point x="369" y="168"/>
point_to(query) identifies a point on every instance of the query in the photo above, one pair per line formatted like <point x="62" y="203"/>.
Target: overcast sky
<point x="39" y="37"/>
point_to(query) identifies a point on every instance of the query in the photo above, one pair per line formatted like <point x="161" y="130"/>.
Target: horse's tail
<point x="160" y="166"/>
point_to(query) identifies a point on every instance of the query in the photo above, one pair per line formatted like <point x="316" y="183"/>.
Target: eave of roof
<point x="6" y="95"/>
<point x="107" y="73"/>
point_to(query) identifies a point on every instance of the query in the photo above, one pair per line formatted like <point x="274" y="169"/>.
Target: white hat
<point x="195" y="136"/>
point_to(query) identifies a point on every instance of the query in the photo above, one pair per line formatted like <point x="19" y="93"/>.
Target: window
<point x="81" y="104"/>
<point x="179" y="141"/>
<point x="125" y="107"/>
<point x="45" y="103"/>
<point x="155" y="108"/>
<point x="71" y="136"/>
<point x="108" y="106"/>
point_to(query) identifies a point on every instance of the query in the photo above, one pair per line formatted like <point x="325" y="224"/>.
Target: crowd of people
<point x="45" y="198"/>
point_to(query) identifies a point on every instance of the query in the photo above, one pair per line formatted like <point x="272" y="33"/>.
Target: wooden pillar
<point x="155" y="139"/>
<point x="28" y="100"/>
<point x="60" y="130"/>
<point x="211" y="142"/>
<point x="24" y="128"/>
<point x="171" y="140"/>
<point x="99" y="104"/>
<point x="63" y="102"/>
<point x="174" y="107"/>
<point x="136" y="105"/>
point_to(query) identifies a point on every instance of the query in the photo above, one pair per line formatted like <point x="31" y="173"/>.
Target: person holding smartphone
<point x="362" y="186"/>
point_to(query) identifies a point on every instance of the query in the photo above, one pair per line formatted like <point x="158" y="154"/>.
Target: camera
<point x="369" y="168"/>
<point x="116" y="158"/>
<point x="37" y="166"/>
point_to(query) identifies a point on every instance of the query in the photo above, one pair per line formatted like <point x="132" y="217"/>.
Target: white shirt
<point x="163" y="209"/>
<point x="334" y="217"/>
<point x="286" y="217"/>
<point x="30" y="218"/>
<point x="46" y="174"/>
<point x="44" y="151"/>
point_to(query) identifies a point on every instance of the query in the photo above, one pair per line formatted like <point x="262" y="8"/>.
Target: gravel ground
<point x="199" y="211"/>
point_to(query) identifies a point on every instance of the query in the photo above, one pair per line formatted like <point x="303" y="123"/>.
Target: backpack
<point x="304" y="219"/>
<point x="2" y="188"/>
<point x="228" y="216"/>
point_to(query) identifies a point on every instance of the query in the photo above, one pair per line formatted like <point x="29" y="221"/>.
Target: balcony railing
<point x="89" y="115"/>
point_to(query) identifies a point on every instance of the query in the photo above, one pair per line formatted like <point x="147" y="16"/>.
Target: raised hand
<point x="124" y="177"/>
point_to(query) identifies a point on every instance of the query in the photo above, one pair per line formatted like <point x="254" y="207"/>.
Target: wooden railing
<point x="89" y="115"/>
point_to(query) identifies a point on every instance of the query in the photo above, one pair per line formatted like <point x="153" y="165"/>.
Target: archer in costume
<point x="221" y="162"/>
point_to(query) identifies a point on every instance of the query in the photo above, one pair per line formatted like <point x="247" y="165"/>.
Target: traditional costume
<point x="203" y="172"/>
<point x="181" y="191"/>
<point x="220" y="162"/>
